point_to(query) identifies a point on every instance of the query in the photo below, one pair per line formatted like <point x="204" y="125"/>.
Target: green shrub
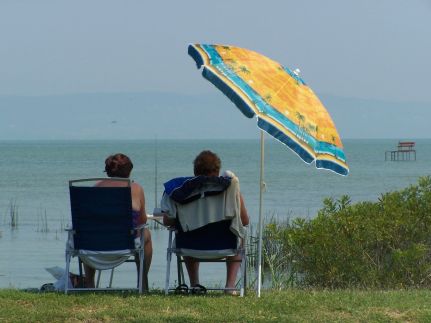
<point x="383" y="244"/>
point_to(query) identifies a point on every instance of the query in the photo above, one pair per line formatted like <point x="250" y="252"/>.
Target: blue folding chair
<point x="102" y="232"/>
<point x="212" y="242"/>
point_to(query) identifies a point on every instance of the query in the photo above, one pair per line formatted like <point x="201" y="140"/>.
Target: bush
<point x="383" y="244"/>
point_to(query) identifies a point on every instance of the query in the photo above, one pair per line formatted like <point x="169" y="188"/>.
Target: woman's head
<point x="118" y="165"/>
<point x="207" y="163"/>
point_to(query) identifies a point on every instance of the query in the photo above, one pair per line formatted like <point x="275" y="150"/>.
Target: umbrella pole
<point x="155" y="173"/>
<point x="260" y="232"/>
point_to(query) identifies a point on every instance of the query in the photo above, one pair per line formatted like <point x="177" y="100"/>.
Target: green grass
<point x="285" y="306"/>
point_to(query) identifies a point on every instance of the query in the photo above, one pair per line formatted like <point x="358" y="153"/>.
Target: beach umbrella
<point x="285" y="108"/>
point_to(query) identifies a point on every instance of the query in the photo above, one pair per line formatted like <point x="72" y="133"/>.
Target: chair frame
<point x="72" y="252"/>
<point x="217" y="258"/>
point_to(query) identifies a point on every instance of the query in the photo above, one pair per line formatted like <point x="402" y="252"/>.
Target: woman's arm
<point x="143" y="211"/>
<point x="243" y="212"/>
<point x="138" y="202"/>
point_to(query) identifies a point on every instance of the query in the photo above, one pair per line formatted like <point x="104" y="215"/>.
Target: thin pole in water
<point x="155" y="172"/>
<point x="260" y="231"/>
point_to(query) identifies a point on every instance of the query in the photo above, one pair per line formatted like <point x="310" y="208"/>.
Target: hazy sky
<point x="367" y="49"/>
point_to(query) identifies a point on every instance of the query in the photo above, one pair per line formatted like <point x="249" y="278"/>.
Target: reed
<point x="42" y="221"/>
<point x="63" y="222"/>
<point x="276" y="262"/>
<point x="13" y="214"/>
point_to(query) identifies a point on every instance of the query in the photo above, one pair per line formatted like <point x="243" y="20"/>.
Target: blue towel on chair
<point x="184" y="190"/>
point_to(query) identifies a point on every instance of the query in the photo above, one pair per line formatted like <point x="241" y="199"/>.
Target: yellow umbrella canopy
<point x="285" y="106"/>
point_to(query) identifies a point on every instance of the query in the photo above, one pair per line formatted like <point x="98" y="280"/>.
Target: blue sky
<point x="372" y="50"/>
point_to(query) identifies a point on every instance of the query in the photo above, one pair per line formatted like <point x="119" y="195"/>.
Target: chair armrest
<point x="70" y="231"/>
<point x="141" y="226"/>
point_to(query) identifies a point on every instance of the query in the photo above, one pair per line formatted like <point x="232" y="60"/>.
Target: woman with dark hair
<point x="120" y="165"/>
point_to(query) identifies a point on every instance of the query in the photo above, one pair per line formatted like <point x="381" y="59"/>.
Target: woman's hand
<point x="167" y="221"/>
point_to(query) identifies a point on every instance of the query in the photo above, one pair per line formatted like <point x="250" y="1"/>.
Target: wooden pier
<point x="405" y="152"/>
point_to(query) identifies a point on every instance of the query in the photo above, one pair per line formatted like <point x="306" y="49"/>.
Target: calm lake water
<point x="35" y="174"/>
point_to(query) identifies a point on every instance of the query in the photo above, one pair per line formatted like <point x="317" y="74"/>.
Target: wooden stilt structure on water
<point x="405" y="152"/>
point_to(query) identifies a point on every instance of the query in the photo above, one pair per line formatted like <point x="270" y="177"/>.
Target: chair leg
<point x="180" y="272"/>
<point x="168" y="262"/>
<point x="81" y="284"/>
<point x="243" y="273"/>
<point x="111" y="278"/>
<point x="168" y="272"/>
<point x="66" y="283"/>
<point x="183" y="280"/>
<point x="141" y="270"/>
<point x="99" y="272"/>
<point x="245" y="276"/>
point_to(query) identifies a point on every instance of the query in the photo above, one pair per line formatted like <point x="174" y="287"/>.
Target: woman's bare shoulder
<point x="137" y="187"/>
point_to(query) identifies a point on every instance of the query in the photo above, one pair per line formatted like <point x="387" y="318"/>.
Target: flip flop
<point x="198" y="290"/>
<point x="182" y="289"/>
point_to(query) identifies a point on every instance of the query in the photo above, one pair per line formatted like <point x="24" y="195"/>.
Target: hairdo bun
<point x="118" y="165"/>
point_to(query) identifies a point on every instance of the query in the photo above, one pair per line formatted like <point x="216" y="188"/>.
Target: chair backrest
<point x="206" y="209"/>
<point x="213" y="236"/>
<point x="101" y="216"/>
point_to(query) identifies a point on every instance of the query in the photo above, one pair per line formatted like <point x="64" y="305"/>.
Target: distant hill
<point x="366" y="118"/>
<point x="170" y="115"/>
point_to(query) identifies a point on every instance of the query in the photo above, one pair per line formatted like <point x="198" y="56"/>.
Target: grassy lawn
<point x="285" y="306"/>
